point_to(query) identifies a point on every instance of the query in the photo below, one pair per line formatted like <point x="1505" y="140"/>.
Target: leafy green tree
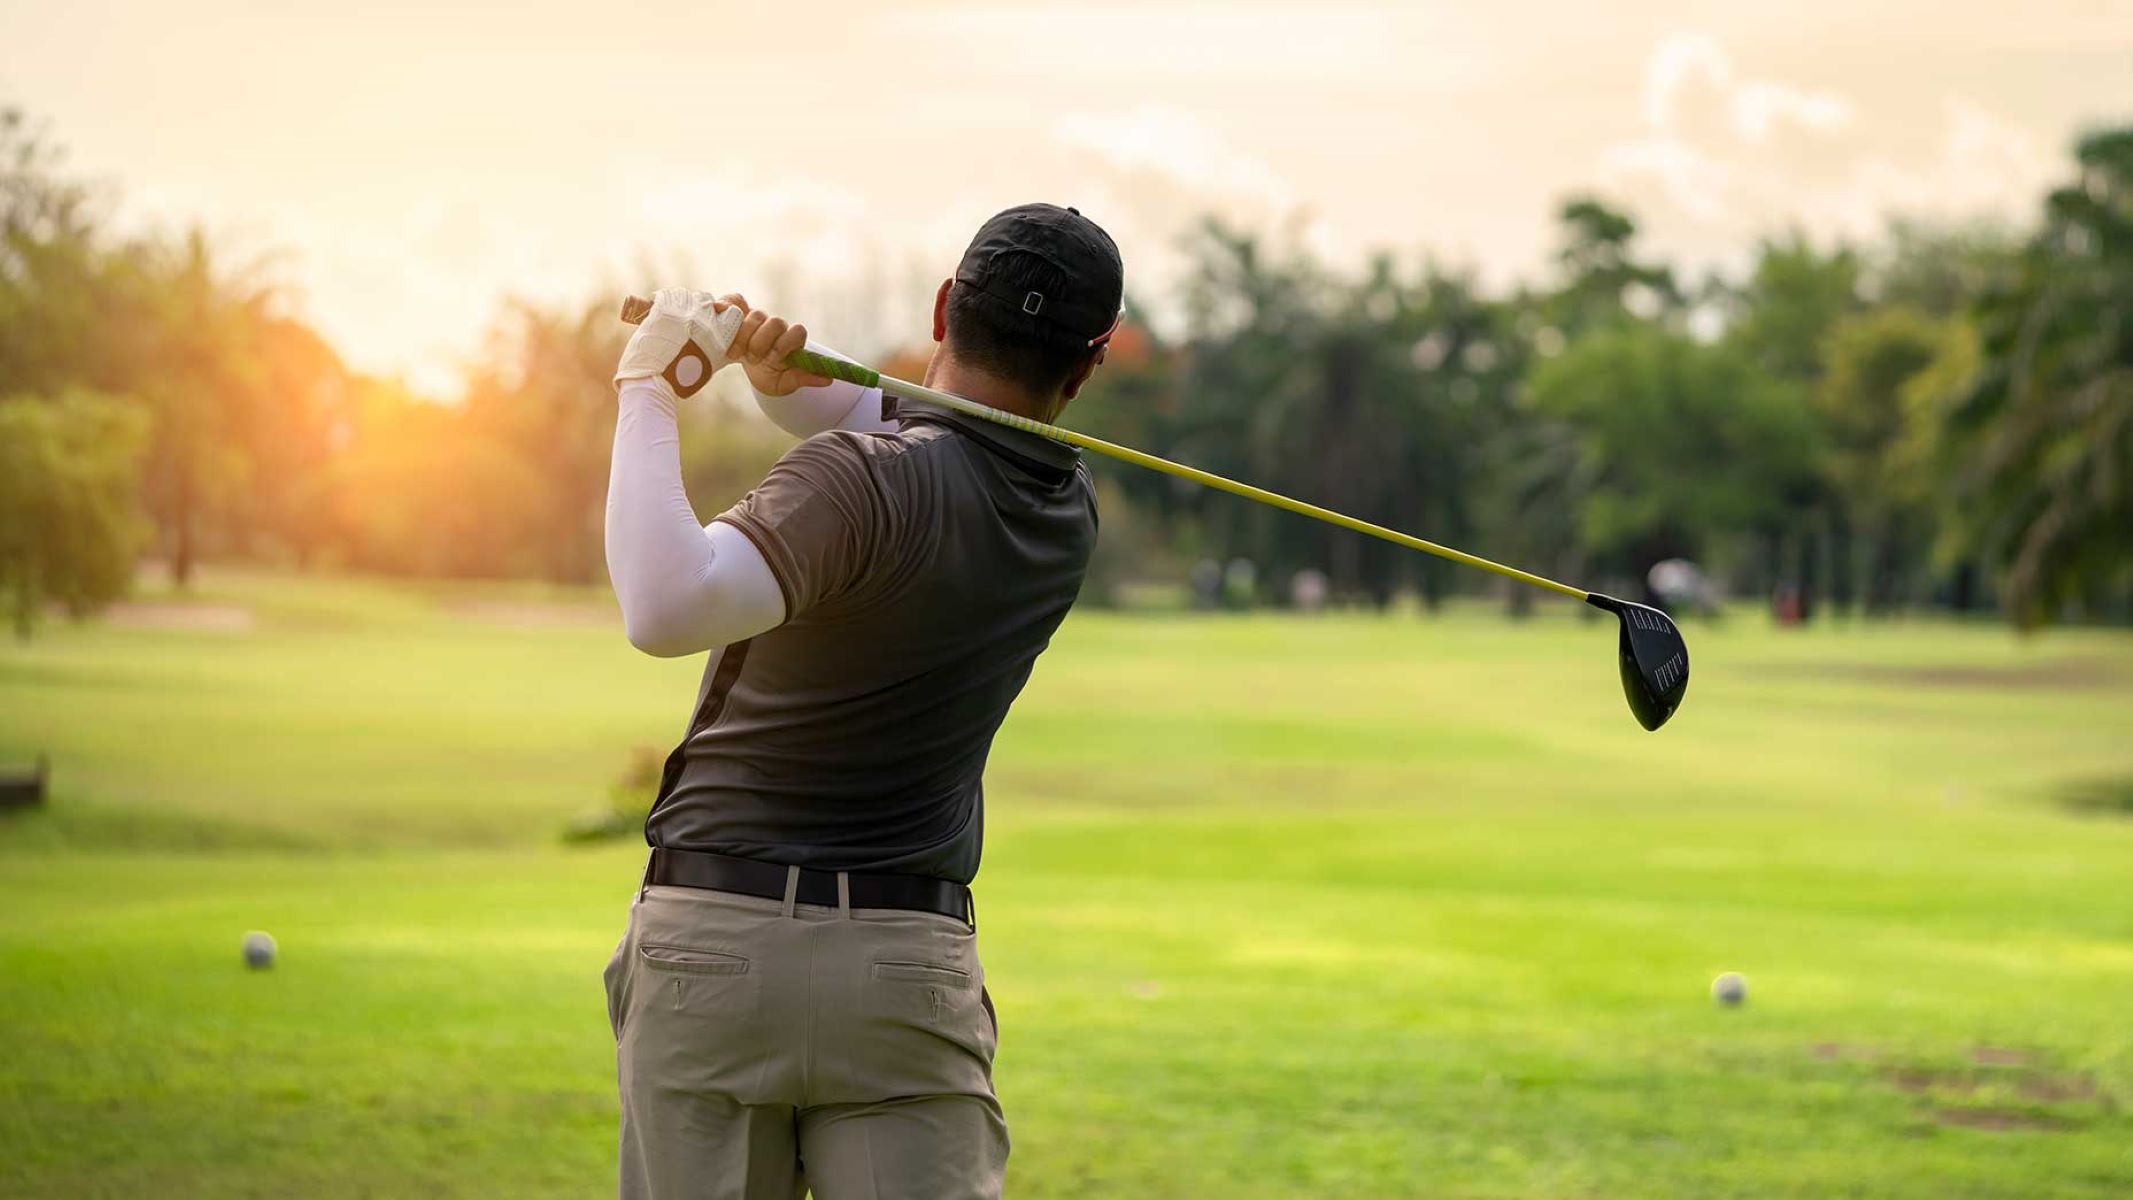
<point x="305" y="408"/>
<point x="69" y="519"/>
<point x="1444" y="362"/>
<point x="1604" y="279"/>
<point x="1791" y="300"/>
<point x="56" y="277"/>
<point x="198" y="369"/>
<point x="2046" y="434"/>
<point x="1243" y="369"/>
<point x="1680" y="446"/>
<point x="1933" y="275"/>
<point x="1367" y="394"/>
<point x="1133" y="399"/>
<point x="243" y="398"/>
<point x="1941" y="270"/>
<point x="421" y="488"/>
<point x="545" y="393"/>
<point x="1779" y="320"/>
<point x="1876" y="408"/>
<point x="1540" y="469"/>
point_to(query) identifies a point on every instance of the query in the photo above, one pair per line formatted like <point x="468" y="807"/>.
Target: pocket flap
<point x="692" y="961"/>
<point x="917" y="972"/>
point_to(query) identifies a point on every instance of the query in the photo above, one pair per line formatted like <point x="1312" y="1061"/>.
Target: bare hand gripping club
<point x="1654" y="658"/>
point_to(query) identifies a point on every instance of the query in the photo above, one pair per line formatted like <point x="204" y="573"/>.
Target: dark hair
<point x="1022" y="349"/>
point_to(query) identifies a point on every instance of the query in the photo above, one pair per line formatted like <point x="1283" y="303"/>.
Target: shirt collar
<point x="1034" y="449"/>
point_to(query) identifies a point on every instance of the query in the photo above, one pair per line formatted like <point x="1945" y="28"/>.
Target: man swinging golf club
<point x="797" y="1001"/>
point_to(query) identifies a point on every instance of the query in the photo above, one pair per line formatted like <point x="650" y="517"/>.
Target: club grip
<point x="636" y="308"/>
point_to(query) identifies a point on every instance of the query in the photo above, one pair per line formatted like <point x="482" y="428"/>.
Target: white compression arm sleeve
<point x="839" y="405"/>
<point x="684" y="587"/>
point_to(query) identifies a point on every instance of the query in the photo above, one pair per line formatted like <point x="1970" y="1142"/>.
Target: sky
<point x="402" y="167"/>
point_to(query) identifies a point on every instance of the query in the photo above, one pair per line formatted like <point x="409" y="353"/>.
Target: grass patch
<point x="1352" y="907"/>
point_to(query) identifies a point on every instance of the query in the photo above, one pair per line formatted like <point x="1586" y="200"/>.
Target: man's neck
<point x="947" y="375"/>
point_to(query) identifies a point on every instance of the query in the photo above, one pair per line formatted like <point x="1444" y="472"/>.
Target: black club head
<point x="1655" y="661"/>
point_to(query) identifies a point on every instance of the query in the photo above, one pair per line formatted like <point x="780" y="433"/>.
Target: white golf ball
<point x="1730" y="989"/>
<point x="258" y="950"/>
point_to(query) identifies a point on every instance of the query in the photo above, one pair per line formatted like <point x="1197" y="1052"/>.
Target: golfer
<point x="797" y="1002"/>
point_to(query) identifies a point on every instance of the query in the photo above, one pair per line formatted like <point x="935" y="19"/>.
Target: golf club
<point x="1654" y="659"/>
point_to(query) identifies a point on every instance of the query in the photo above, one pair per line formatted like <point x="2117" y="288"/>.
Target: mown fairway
<point x="1352" y="907"/>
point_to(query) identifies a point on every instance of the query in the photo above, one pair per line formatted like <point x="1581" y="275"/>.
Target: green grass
<point x="1354" y="907"/>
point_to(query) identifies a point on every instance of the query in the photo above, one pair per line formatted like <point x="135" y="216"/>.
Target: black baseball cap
<point x="1090" y="301"/>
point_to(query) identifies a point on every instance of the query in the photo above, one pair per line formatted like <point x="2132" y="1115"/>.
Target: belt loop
<point x="792" y="888"/>
<point x="646" y="882"/>
<point x="844" y="894"/>
<point x="970" y="909"/>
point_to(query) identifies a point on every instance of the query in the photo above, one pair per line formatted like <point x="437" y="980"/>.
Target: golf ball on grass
<point x="258" y="950"/>
<point x="1730" y="989"/>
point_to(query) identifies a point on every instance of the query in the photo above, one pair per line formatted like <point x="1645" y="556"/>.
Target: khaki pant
<point x="766" y="1049"/>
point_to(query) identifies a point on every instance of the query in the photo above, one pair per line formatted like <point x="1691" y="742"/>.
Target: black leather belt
<point x="748" y="877"/>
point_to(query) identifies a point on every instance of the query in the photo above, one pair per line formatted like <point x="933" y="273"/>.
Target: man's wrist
<point x="682" y="341"/>
<point x="647" y="389"/>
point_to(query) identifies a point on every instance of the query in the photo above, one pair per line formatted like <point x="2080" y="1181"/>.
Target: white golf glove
<point x="682" y="341"/>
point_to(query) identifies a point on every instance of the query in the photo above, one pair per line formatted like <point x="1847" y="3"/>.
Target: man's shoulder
<point x="914" y="458"/>
<point x="846" y="454"/>
<point x="864" y="469"/>
<point x="867" y="448"/>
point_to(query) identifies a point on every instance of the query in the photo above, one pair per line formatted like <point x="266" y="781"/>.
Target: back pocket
<point x="688" y="961"/>
<point x="695" y="1023"/>
<point x="918" y="972"/>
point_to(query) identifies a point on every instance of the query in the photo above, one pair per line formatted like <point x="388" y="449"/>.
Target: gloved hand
<point x="683" y="340"/>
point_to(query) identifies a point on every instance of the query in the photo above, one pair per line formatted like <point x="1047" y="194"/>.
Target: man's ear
<point x="940" y="310"/>
<point x="1081" y="374"/>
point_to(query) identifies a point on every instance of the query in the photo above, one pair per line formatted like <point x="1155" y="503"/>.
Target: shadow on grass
<point x="2060" y="674"/>
<point x="64" y="825"/>
<point x="2099" y="797"/>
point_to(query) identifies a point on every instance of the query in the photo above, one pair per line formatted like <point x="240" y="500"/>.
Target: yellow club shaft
<point x="1139" y="458"/>
<point x="635" y="308"/>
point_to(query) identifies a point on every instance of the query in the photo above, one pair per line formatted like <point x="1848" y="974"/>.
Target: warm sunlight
<point x="408" y="166"/>
<point x="1511" y="600"/>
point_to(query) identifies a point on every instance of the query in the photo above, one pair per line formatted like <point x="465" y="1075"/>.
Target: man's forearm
<point x="838" y="405"/>
<point x="684" y="588"/>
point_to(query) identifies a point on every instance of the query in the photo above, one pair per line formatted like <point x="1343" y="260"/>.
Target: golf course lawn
<point x="1353" y="906"/>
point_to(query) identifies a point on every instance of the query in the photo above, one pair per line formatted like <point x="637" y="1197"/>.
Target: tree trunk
<point x="26" y="601"/>
<point x="181" y="554"/>
<point x="1806" y="575"/>
<point x="1843" y="563"/>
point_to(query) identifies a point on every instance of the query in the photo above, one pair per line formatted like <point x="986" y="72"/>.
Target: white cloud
<point x="1176" y="146"/>
<point x="1693" y="181"/>
<point x="1760" y="106"/>
<point x="1271" y="41"/>
<point x="1151" y="172"/>
<point x="725" y="204"/>
<point x="1724" y="158"/>
<point x="1689" y="74"/>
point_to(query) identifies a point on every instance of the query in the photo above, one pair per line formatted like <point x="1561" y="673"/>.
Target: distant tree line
<point x="1943" y="417"/>
<point x="158" y="399"/>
